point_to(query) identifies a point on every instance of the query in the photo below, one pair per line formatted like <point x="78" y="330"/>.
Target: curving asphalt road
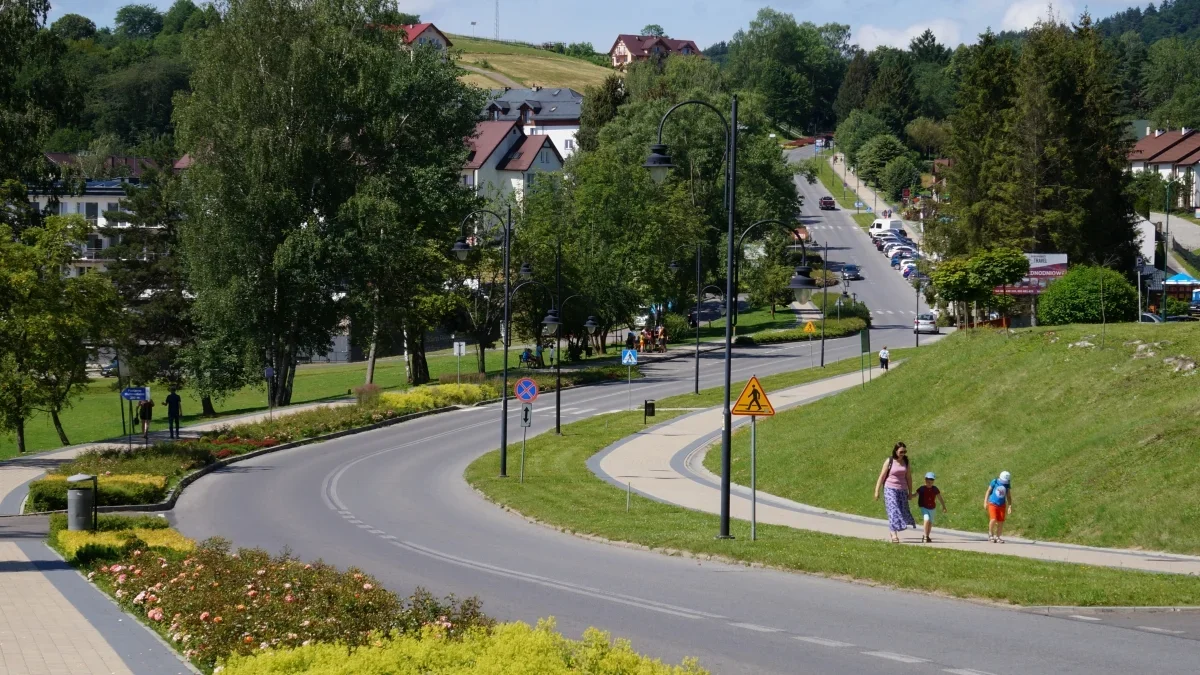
<point x="393" y="502"/>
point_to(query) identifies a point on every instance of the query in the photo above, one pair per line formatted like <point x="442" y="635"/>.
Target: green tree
<point x="653" y="29"/>
<point x="956" y="284"/>
<point x="600" y="105"/>
<point x="74" y="27"/>
<point x="899" y="174"/>
<point x="853" y="133"/>
<point x="1130" y="53"/>
<point x="1170" y="63"/>
<point x="48" y="322"/>
<point x="925" y="48"/>
<point x="1077" y="298"/>
<point x="892" y="90"/>
<point x="138" y="21"/>
<point x="24" y="119"/>
<point x="934" y="90"/>
<point x="875" y="155"/>
<point x="852" y="95"/>
<point x="927" y="135"/>
<point x="177" y="16"/>
<point x="137" y="102"/>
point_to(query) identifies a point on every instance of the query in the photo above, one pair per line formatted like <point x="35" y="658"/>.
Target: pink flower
<point x="120" y="594"/>
<point x="115" y="568"/>
<point x="305" y="623"/>
<point x="287" y="585"/>
<point x="121" y="579"/>
<point x="137" y="599"/>
<point x="308" y="567"/>
<point x="289" y="598"/>
<point x="367" y="587"/>
<point x="177" y="637"/>
<point x="261" y="572"/>
<point x="204" y="616"/>
<point x="155" y="614"/>
<point x="136" y="553"/>
<point x="104" y="569"/>
<point x="164" y="566"/>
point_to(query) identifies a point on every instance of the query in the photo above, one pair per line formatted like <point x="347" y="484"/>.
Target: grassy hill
<point x="525" y="65"/>
<point x="1103" y="444"/>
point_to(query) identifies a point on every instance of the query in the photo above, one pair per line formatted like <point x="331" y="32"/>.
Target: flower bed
<point x="211" y="603"/>
<point x="508" y="648"/>
<point x="833" y="329"/>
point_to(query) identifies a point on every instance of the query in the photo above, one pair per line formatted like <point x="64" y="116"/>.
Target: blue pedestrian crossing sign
<point x="526" y="390"/>
<point x="629" y="357"/>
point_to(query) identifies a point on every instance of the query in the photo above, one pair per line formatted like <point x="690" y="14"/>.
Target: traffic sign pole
<point x="753" y="478"/>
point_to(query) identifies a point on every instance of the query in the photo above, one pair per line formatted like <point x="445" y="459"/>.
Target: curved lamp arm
<point x="706" y="104"/>
<point x="462" y="225"/>
<point x="785" y="226"/>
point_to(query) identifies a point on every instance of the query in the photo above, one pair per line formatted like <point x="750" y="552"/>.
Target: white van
<point x="884" y="224"/>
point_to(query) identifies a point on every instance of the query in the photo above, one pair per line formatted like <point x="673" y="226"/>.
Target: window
<point x="92" y="212"/>
<point x="529" y="179"/>
<point x="542" y="157"/>
<point x="469" y="180"/>
<point x="112" y="207"/>
<point x="569" y="144"/>
<point x="63" y="208"/>
<point x="80" y="271"/>
<point x="528" y="116"/>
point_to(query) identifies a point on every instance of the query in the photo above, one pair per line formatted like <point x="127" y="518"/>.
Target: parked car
<point x="1182" y="317"/>
<point x="851" y="272"/>
<point x="827" y="204"/>
<point x="885" y="224"/>
<point x="899" y="249"/>
<point x="1147" y="317"/>
<point x="112" y="369"/>
<point x="925" y="323"/>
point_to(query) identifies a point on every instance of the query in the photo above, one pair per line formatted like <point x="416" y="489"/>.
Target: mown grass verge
<point x="560" y="490"/>
<point x="1101" y="442"/>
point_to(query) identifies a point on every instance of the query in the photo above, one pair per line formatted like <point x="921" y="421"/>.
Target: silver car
<point x="925" y="323"/>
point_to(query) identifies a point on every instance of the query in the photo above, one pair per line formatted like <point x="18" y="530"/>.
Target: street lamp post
<point x="590" y="325"/>
<point x="461" y="249"/>
<point x="1166" y="249"/>
<point x="659" y="164"/>
<point x="674" y="267"/>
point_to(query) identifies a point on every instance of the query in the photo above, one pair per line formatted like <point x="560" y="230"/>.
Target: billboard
<point x="1043" y="268"/>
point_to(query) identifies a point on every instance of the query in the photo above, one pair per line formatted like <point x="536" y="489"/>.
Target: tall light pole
<point x="462" y="249"/>
<point x="1166" y="250"/>
<point x="674" y="267"/>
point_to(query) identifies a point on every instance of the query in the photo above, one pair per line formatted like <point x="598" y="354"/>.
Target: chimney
<point x="1147" y="131"/>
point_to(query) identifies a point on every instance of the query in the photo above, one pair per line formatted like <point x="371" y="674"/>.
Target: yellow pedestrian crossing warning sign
<point x="753" y="401"/>
<point x="810" y="328"/>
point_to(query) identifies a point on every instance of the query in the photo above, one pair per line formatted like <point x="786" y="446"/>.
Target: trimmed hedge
<point x="50" y="493"/>
<point x="508" y="648"/>
<point x="833" y="329"/>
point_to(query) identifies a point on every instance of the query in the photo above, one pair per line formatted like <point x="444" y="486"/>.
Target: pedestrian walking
<point x="145" y="413"/>
<point x="174" y="412"/>
<point x="884" y="357"/>
<point x="895" y="481"/>
<point x="999" y="502"/>
<point x="928" y="495"/>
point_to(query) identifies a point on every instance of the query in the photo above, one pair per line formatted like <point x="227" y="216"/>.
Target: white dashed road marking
<point x="823" y="642"/>
<point x="1164" y="631"/>
<point x="756" y="627"/>
<point x="965" y="671"/>
<point x="1084" y="618"/>
<point x="893" y="656"/>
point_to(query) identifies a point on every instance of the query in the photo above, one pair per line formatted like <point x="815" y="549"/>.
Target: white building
<point x="1174" y="155"/>
<point x="503" y="160"/>
<point x="550" y="112"/>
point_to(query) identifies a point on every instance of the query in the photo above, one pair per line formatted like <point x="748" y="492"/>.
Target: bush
<point x="419" y="399"/>
<point x="85" y="547"/>
<point x="677" y="327"/>
<point x="1075" y="298"/>
<point x="50" y="493"/>
<point x="366" y="394"/>
<point x="898" y="174"/>
<point x="850" y="308"/>
<point x="508" y="648"/>
<point x="212" y="604"/>
<point x="833" y="329"/>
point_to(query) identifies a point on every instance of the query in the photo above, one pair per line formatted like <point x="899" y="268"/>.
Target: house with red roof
<point x="1174" y="155"/>
<point x="504" y="160"/>
<point x="425" y="34"/>
<point x="629" y="48"/>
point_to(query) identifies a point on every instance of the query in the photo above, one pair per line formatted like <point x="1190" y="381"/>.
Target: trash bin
<point x="81" y="502"/>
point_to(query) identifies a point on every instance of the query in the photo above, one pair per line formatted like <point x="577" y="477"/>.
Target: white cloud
<point x="869" y="37"/>
<point x="1023" y="14"/>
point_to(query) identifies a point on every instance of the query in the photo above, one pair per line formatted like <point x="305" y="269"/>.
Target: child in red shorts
<point x="999" y="502"/>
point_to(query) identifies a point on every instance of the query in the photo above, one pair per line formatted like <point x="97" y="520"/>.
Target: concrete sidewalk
<point x="54" y="621"/>
<point x="16" y="473"/>
<point x="664" y="463"/>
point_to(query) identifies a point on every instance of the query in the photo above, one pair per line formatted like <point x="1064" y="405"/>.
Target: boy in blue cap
<point x="927" y="498"/>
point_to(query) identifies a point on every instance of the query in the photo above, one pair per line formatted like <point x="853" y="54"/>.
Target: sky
<point x="872" y="22"/>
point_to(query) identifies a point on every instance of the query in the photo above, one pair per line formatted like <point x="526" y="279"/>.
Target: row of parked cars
<point x="893" y="241"/>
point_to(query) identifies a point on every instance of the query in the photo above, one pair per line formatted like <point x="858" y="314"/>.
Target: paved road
<point x="393" y="503"/>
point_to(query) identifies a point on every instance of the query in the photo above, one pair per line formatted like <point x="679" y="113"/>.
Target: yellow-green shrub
<point x="70" y="542"/>
<point x="133" y="478"/>
<point x="50" y="493"/>
<point x="509" y="649"/>
<point x="438" y="396"/>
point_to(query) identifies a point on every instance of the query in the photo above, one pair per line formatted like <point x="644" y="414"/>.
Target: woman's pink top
<point x="898" y="477"/>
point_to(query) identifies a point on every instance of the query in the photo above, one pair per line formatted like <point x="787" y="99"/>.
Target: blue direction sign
<point x="858" y="205"/>
<point x="136" y="393"/>
<point x="526" y="390"/>
<point x="629" y="357"/>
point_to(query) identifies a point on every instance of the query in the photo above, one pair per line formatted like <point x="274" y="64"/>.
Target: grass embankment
<point x="527" y="65"/>
<point x="1101" y="442"/>
<point x="95" y="415"/>
<point x="560" y="490"/>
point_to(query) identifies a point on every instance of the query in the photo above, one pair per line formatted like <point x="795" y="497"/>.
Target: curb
<point x="173" y="495"/>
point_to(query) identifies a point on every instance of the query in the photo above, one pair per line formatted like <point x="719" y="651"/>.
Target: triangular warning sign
<point x="753" y="401"/>
<point x="810" y="328"/>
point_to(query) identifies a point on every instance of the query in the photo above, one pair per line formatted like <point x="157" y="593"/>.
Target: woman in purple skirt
<point x="895" y="481"/>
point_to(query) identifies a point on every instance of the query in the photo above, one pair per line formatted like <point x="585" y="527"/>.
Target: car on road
<point x="925" y="323"/>
<point x="111" y="369"/>
<point x="826" y="203"/>
<point x="851" y="273"/>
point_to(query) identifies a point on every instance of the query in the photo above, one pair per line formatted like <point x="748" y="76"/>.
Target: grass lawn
<point x="845" y="197"/>
<point x="95" y="416"/>
<point x="481" y="81"/>
<point x="1102" y="445"/>
<point x="748" y="322"/>
<point x="560" y="490"/>
<point x="530" y="66"/>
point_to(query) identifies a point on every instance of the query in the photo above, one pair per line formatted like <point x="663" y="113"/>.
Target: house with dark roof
<point x="629" y="48"/>
<point x="503" y="160"/>
<point x="539" y="111"/>
<point x="1174" y="155"/>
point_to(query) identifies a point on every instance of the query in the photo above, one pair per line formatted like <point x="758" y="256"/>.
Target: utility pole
<point x="1166" y="252"/>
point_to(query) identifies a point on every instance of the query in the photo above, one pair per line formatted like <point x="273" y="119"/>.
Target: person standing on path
<point x="884" y="357"/>
<point x="174" y="413"/>
<point x="896" y="484"/>
<point x="145" y="413"/>
<point x="928" y="495"/>
<point x="999" y="502"/>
